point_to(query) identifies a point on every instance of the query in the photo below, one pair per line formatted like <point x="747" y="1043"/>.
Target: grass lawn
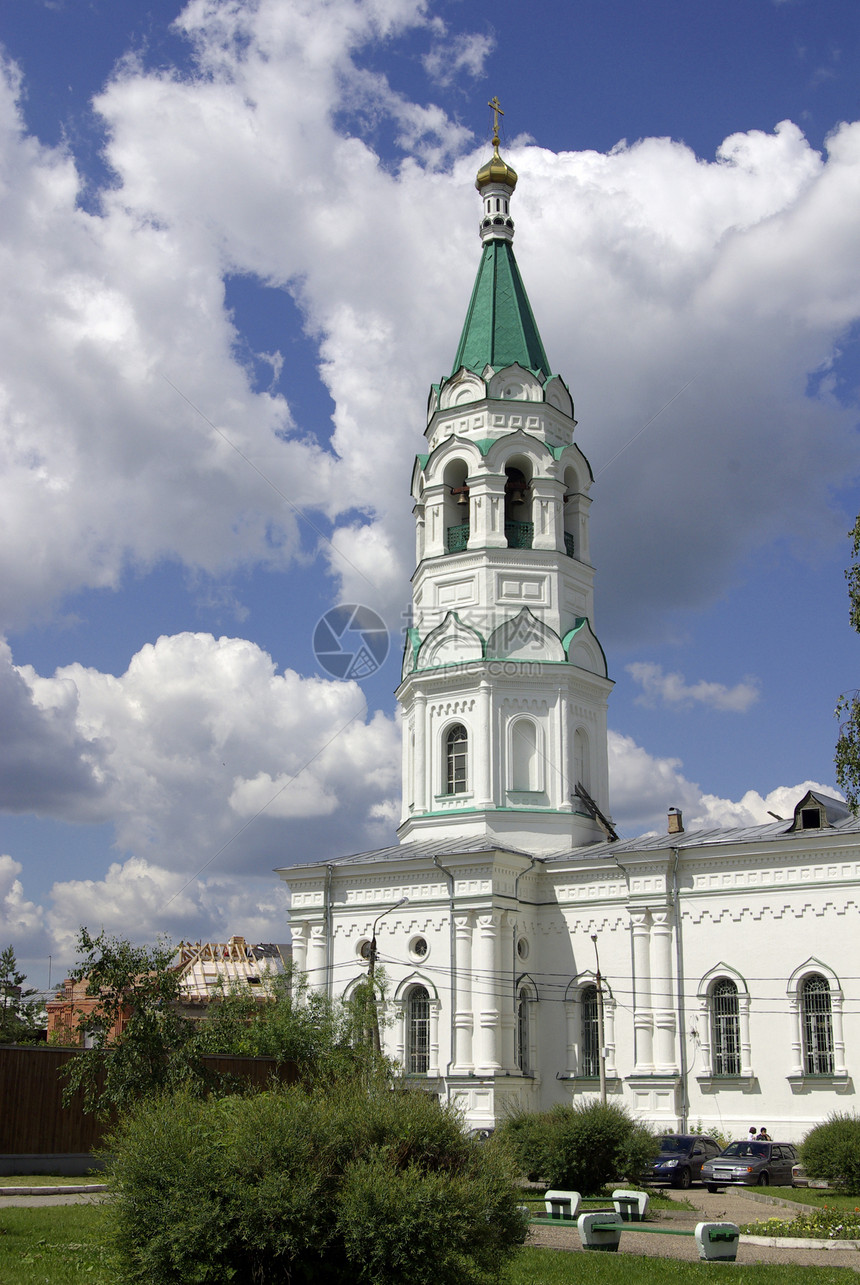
<point x="60" y="1245"/>
<point x="551" y="1267"/>
<point x="56" y="1245"/>
<point x="815" y="1197"/>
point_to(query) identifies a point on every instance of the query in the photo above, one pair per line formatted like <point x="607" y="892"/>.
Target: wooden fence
<point x="34" y="1121"/>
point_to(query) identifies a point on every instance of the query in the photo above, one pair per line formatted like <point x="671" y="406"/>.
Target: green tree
<point x="20" y="1016"/>
<point x="326" y="1038"/>
<point x="847" y="757"/>
<point x="137" y="1042"/>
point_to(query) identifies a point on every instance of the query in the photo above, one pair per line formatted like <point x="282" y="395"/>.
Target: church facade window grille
<point x="456" y="760"/>
<point x="725" y="1028"/>
<point x="418" y="1031"/>
<point x="817" y="1024"/>
<point x="590" y="1033"/>
<point x="523" y="1033"/>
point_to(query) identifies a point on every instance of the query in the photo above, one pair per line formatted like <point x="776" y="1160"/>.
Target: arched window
<point x="456" y="760"/>
<point x="590" y="1033"/>
<point x="817" y="1018"/>
<point x="725" y="1028"/>
<point x="522" y="1031"/>
<point x="418" y="1031"/>
<point x="524" y="755"/>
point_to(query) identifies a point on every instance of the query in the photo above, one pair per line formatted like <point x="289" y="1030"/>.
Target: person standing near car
<point x="763" y="1136"/>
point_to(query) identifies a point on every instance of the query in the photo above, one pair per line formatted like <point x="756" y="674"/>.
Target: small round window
<point x="364" y="949"/>
<point x="418" y="947"/>
<point x="523" y="948"/>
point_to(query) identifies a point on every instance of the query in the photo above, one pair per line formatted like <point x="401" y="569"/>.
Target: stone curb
<point x="761" y="1199"/>
<point x="798" y="1242"/>
<point x="53" y="1191"/>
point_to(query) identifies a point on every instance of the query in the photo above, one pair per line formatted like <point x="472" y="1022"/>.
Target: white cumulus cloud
<point x="202" y="747"/>
<point x="673" y="692"/>
<point x="644" y="786"/>
<point x="126" y="406"/>
<point x="452" y="55"/>
<point x="20" y="920"/>
<point x="141" y="900"/>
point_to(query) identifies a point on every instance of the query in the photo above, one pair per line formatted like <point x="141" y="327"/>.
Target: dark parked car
<point x="681" y="1158"/>
<point x="755" y="1164"/>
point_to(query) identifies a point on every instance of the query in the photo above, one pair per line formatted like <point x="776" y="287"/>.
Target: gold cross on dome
<point x="497" y="112"/>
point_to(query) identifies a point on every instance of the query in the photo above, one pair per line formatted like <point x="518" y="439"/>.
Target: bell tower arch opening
<point x="455" y="506"/>
<point x="519" y="523"/>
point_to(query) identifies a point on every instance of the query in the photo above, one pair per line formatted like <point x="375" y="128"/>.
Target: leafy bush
<point x="361" y="1185"/>
<point x="527" y="1135"/>
<point x="581" y="1147"/>
<point x="832" y="1151"/>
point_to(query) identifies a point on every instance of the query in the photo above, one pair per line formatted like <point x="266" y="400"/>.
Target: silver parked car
<point x="755" y="1164"/>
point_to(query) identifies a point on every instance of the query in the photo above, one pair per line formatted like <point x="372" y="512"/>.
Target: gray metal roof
<point x="770" y="832"/>
<point x="424" y="849"/>
<point x="417" y="850"/>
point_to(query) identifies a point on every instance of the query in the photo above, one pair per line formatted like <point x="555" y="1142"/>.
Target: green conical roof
<point x="500" y="328"/>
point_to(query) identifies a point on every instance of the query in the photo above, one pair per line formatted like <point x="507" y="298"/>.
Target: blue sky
<point x="238" y="244"/>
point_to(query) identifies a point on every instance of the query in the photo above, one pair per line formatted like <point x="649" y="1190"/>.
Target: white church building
<point x="727" y="990"/>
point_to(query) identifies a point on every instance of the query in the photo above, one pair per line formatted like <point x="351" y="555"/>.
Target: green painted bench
<point x="716" y="1242"/>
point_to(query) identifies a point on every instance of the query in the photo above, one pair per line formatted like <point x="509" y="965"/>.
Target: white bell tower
<point x="504" y="686"/>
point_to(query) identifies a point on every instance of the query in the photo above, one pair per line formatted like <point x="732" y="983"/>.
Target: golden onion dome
<point x="496" y="170"/>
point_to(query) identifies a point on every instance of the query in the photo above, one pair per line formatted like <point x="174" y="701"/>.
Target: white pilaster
<point x="744" y="1025"/>
<point x="316" y="956"/>
<point x="483" y="747"/>
<point x="839" y="1067"/>
<point x="665" y="1059"/>
<point x="796" y="1040"/>
<point x="485" y="996"/>
<point x="433" y="1061"/>
<point x="571" y="1018"/>
<point x="643" y="1019"/>
<point x="463" y="1017"/>
<point x="300" y="947"/>
<point x="419" y="761"/>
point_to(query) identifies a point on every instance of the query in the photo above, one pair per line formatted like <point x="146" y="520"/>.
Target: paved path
<point x="721" y="1206"/>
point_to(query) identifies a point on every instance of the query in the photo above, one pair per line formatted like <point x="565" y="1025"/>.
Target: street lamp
<point x="371" y="971"/>
<point x="600" y="1025"/>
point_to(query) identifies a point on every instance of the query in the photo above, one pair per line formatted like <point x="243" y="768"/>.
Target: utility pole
<point x="371" y="973"/>
<point x="600" y="1024"/>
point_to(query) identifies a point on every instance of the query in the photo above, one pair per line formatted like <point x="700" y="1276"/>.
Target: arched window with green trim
<point x="456" y="760"/>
